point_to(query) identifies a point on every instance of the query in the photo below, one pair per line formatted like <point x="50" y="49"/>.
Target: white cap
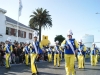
<point x="93" y="43"/>
<point x="50" y="45"/>
<point x="69" y="32"/>
<point x="57" y="41"/>
<point x="8" y="39"/>
<point x="35" y="34"/>
<point x="80" y="40"/>
<point x="27" y="42"/>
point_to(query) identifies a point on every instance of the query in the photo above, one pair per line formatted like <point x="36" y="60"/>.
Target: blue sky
<point x="78" y="15"/>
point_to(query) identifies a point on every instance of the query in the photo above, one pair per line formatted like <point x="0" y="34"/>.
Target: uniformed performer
<point x="49" y="51"/>
<point x="27" y="52"/>
<point x="36" y="45"/>
<point x="71" y="47"/>
<point x="57" y="54"/>
<point x="8" y="49"/>
<point x="93" y="55"/>
<point x="61" y="53"/>
<point x="81" y="55"/>
<point x="97" y="56"/>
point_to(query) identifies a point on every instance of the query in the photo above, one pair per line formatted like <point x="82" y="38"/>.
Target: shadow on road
<point x="14" y="70"/>
<point x="42" y="73"/>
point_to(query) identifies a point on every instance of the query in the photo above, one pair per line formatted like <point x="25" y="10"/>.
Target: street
<point x="46" y="68"/>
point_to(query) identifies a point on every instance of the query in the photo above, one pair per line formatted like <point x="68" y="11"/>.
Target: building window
<point x="22" y="34"/>
<point x="30" y="35"/>
<point x="8" y="31"/>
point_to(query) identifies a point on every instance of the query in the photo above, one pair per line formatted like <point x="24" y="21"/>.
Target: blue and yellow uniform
<point x="8" y="49"/>
<point x="57" y="55"/>
<point x="81" y="56"/>
<point x="34" y="52"/>
<point x="93" y="56"/>
<point x="97" y="56"/>
<point x="49" y="54"/>
<point x="27" y="52"/>
<point x="61" y="51"/>
<point x="70" y="55"/>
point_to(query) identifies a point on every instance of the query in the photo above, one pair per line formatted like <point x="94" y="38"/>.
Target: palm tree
<point x="40" y="19"/>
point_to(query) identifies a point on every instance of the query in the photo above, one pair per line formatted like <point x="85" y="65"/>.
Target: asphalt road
<point x="46" y="68"/>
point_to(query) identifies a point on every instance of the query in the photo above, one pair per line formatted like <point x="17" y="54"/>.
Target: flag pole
<point x="17" y="27"/>
<point x="18" y="21"/>
<point x="19" y="14"/>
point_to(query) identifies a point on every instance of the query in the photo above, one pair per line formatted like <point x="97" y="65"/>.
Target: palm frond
<point x="41" y="17"/>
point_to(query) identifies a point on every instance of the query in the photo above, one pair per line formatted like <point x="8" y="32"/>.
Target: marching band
<point x="70" y="47"/>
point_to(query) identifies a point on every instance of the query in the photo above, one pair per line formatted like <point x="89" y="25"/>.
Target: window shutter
<point x="24" y="34"/>
<point x="12" y="31"/>
<point x="31" y="35"/>
<point x="18" y="33"/>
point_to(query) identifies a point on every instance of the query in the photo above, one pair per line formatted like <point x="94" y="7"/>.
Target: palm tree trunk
<point x="39" y="33"/>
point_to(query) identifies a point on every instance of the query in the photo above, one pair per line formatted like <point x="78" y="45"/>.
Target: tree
<point x="40" y="19"/>
<point x="60" y="38"/>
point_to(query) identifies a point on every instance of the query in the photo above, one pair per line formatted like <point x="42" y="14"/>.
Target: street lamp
<point x="97" y="13"/>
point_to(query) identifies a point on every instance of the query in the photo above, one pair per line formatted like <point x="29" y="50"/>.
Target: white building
<point x="8" y="28"/>
<point x="88" y="40"/>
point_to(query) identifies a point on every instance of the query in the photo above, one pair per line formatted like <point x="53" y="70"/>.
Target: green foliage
<point x="60" y="38"/>
<point x="40" y="19"/>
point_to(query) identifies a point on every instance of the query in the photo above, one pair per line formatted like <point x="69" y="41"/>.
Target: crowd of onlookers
<point x="17" y="55"/>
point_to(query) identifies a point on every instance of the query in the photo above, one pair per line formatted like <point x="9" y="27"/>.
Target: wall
<point x="2" y="25"/>
<point x="19" y="39"/>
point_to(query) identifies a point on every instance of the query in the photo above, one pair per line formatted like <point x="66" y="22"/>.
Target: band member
<point x="49" y="50"/>
<point x="97" y="56"/>
<point x="71" y="47"/>
<point x="8" y="49"/>
<point x="27" y="52"/>
<point x="61" y="53"/>
<point x="36" y="45"/>
<point x="81" y="55"/>
<point x="57" y="54"/>
<point x="93" y="55"/>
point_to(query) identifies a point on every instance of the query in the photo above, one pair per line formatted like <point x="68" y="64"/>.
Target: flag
<point x="20" y="7"/>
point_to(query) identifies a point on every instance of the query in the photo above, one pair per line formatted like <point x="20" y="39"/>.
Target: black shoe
<point x="7" y="67"/>
<point x="37" y="73"/>
<point x="34" y="74"/>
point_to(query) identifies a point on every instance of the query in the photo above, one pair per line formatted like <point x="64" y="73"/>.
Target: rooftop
<point x="15" y="22"/>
